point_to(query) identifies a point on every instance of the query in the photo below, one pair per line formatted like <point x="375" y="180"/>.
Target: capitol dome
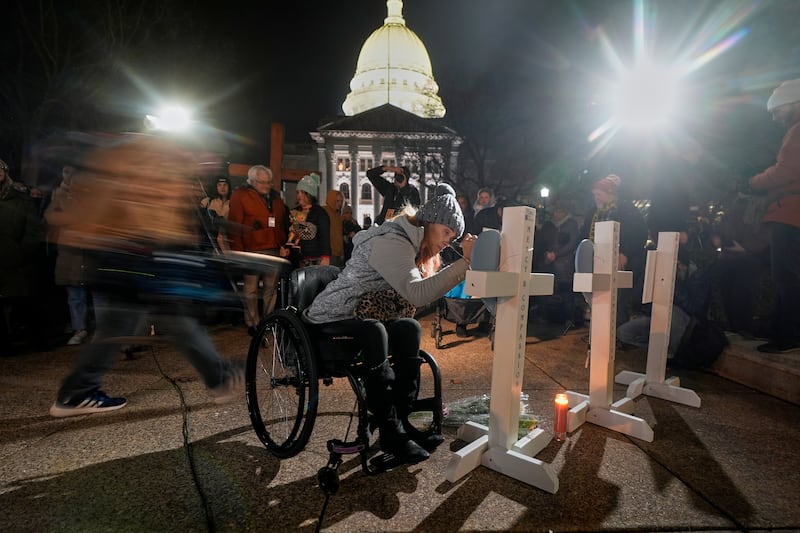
<point x="394" y="67"/>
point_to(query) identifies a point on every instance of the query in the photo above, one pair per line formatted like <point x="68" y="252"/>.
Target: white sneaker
<point x="78" y="338"/>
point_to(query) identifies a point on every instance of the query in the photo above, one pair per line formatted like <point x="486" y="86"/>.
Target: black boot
<point x="395" y="440"/>
<point x="406" y="389"/>
<point x="380" y="401"/>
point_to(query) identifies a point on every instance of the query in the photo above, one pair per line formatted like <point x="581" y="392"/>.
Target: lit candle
<point x="560" y="421"/>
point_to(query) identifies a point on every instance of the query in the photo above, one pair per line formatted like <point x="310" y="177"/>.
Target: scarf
<point x="602" y="214"/>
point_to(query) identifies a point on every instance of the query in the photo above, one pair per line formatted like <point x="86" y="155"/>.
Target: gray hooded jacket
<point x="383" y="258"/>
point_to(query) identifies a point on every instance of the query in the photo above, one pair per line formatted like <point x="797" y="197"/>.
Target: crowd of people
<point x="62" y="239"/>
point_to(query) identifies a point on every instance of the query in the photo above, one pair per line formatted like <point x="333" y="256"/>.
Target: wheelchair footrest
<point x="345" y="448"/>
<point x="384" y="462"/>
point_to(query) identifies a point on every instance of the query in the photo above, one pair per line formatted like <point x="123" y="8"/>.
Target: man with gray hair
<point x="781" y="182"/>
<point x="258" y="222"/>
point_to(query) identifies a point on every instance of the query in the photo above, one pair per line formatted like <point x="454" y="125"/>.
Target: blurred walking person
<point x="137" y="209"/>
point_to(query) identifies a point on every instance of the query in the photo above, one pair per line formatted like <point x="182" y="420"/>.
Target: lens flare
<point x="649" y="95"/>
<point x="171" y="118"/>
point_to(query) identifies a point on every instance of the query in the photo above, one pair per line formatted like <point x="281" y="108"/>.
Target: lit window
<point x="343" y="164"/>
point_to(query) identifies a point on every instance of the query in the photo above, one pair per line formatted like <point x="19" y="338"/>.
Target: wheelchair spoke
<point x="282" y="384"/>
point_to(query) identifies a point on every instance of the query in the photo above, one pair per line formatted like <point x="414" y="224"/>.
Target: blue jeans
<point x="785" y="268"/>
<point x="637" y="331"/>
<point x="78" y="301"/>
<point x="117" y="318"/>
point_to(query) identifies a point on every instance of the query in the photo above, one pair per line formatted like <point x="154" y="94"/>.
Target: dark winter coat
<point x="320" y="245"/>
<point x="564" y="243"/>
<point x="633" y="231"/>
<point x="394" y="199"/>
<point x="21" y="237"/>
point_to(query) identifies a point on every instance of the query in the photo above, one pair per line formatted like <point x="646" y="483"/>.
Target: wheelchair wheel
<point x="427" y="413"/>
<point x="282" y="385"/>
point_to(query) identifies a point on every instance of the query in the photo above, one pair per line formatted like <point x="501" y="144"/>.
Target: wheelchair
<point x="286" y="362"/>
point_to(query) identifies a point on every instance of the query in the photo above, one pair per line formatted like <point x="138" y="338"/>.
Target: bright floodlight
<point x="646" y="98"/>
<point x="170" y="118"/>
<point x="544" y="192"/>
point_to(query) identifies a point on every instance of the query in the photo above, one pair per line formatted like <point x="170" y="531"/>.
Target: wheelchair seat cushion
<point x="308" y="282"/>
<point x="335" y="343"/>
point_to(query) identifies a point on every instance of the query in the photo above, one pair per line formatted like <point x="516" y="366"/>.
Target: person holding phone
<point x="396" y="194"/>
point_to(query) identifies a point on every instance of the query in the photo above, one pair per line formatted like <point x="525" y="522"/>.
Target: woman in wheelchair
<point x="399" y="260"/>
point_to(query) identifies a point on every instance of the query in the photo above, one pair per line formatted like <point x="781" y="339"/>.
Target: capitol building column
<point x="355" y="189"/>
<point x="328" y="176"/>
<point x="453" y="163"/>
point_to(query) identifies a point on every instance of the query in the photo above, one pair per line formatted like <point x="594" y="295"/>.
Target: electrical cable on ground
<point x="209" y="514"/>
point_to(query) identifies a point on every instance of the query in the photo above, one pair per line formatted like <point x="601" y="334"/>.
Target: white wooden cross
<point x="603" y="282"/>
<point x="498" y="446"/>
<point x="659" y="288"/>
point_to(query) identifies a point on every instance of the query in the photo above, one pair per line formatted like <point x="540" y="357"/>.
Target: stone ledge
<point x="774" y="374"/>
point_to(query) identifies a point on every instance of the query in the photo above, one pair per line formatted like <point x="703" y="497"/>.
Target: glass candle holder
<point x="560" y="419"/>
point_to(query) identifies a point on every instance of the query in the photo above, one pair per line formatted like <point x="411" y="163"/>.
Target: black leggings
<point x="387" y="387"/>
<point x="401" y="338"/>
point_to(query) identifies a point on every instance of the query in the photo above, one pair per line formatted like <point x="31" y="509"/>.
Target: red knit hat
<point x="608" y="184"/>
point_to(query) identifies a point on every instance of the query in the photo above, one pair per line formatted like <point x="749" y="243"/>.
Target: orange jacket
<point x="782" y="181"/>
<point x="335" y="217"/>
<point x="254" y="224"/>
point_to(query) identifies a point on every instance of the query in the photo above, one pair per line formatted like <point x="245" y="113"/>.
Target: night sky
<point x="247" y="64"/>
<point x="295" y="61"/>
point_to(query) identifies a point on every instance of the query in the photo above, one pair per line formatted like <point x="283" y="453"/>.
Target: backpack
<point x="701" y="344"/>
